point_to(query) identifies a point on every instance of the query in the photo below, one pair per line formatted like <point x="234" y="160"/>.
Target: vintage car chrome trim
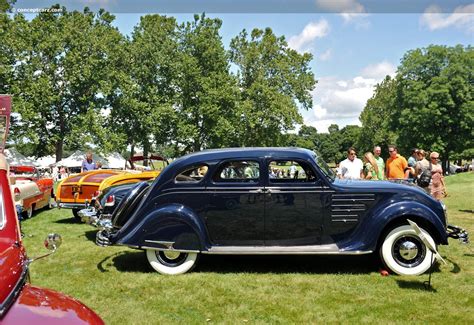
<point x="168" y="244"/>
<point x="171" y="250"/>
<point x="10" y="299"/>
<point x="331" y="249"/>
<point x="66" y="205"/>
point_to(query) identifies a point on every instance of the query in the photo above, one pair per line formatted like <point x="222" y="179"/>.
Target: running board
<point x="282" y="250"/>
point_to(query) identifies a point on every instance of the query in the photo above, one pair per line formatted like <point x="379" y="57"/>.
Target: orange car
<point x="76" y="191"/>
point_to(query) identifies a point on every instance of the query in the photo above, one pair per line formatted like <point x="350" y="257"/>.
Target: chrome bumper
<point x="89" y="216"/>
<point x="457" y="233"/>
<point x="78" y="206"/>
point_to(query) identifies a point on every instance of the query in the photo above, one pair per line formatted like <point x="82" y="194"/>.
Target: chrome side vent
<point x="349" y="208"/>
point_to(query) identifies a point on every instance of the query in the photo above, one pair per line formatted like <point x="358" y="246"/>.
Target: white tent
<point x="115" y="161"/>
<point x="45" y="162"/>
<point x="14" y="158"/>
<point x="76" y="159"/>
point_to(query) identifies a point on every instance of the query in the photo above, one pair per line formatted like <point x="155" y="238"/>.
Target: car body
<point x="30" y="191"/>
<point x="239" y="206"/>
<point x="20" y="302"/>
<point x="77" y="191"/>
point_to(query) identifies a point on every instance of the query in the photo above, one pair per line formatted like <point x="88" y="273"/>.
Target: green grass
<point x="120" y="286"/>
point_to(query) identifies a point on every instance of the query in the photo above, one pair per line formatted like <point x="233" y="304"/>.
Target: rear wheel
<point x="75" y="212"/>
<point x="28" y="213"/>
<point x="404" y="253"/>
<point x="171" y="262"/>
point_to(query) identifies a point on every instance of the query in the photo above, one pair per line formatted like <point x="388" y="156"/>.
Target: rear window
<point x="192" y="175"/>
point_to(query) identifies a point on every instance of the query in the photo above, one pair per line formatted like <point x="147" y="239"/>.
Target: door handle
<point x="273" y="191"/>
<point x="256" y="191"/>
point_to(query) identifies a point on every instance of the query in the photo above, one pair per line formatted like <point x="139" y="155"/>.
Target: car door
<point x="235" y="214"/>
<point x="293" y="204"/>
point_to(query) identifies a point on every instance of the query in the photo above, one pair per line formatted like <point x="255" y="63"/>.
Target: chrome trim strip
<point x="171" y="250"/>
<point x="352" y="200"/>
<point x="167" y="244"/>
<point x="345" y="220"/>
<point x="282" y="250"/>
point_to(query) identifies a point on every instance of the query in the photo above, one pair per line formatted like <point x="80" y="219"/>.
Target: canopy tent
<point x="46" y="162"/>
<point x="115" y="161"/>
<point x="76" y="159"/>
<point x="14" y="158"/>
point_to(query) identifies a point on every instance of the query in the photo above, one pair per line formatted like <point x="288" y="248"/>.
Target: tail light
<point x="17" y="192"/>
<point x="96" y="193"/>
<point x="110" y="201"/>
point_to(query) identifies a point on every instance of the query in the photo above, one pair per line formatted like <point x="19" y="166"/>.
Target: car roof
<point x="247" y="152"/>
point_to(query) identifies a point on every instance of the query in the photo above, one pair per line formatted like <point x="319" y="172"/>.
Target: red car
<point x="20" y="302"/>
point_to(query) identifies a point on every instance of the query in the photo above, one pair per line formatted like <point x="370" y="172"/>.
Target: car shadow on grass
<point x="137" y="262"/>
<point x="126" y="262"/>
<point x="318" y="264"/>
<point x="419" y="285"/>
<point x="68" y="220"/>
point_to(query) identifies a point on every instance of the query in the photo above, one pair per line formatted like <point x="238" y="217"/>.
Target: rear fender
<point x="172" y="226"/>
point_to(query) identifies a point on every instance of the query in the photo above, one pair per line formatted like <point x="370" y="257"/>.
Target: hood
<point x="397" y="185"/>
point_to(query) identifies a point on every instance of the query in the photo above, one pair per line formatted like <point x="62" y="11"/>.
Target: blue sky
<point x="353" y="49"/>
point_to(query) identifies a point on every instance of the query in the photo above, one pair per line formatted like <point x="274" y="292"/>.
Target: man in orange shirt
<point x="396" y="164"/>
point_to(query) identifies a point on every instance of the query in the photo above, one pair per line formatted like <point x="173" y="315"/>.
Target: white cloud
<point x="326" y="55"/>
<point x="462" y="17"/>
<point x="310" y="32"/>
<point x="340" y="102"/>
<point x="379" y="70"/>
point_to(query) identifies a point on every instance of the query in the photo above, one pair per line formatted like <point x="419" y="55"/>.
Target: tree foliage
<point x="60" y="77"/>
<point x="273" y="80"/>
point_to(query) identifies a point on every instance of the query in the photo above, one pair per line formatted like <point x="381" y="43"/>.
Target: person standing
<point x="371" y="169"/>
<point x="412" y="163"/>
<point x="380" y="163"/>
<point x="421" y="165"/>
<point x="88" y="163"/>
<point x="437" y="186"/>
<point x="352" y="167"/>
<point x="396" y="164"/>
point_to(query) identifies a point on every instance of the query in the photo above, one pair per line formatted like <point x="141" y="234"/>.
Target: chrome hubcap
<point x="171" y="255"/>
<point x="408" y="250"/>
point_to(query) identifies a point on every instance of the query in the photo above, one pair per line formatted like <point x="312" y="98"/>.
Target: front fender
<point x="173" y="226"/>
<point x="368" y="233"/>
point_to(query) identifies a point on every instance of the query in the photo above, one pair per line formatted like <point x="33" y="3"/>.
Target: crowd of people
<point x="428" y="174"/>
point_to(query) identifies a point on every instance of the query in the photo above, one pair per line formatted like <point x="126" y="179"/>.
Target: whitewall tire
<point x="171" y="262"/>
<point x="404" y="253"/>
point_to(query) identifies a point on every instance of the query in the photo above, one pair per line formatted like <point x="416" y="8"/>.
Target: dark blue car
<point x="274" y="201"/>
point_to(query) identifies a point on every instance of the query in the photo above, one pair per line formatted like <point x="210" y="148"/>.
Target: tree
<point x="435" y="100"/>
<point x="274" y="81"/>
<point x="377" y="116"/>
<point x="207" y="92"/>
<point x="330" y="144"/>
<point x="146" y="84"/>
<point x="60" y="80"/>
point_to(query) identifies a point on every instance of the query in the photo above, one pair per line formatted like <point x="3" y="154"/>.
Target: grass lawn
<point x="120" y="286"/>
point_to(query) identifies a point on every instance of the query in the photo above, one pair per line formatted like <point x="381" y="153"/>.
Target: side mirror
<point x="51" y="242"/>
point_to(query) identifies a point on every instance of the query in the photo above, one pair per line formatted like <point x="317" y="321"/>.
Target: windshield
<point x="323" y="166"/>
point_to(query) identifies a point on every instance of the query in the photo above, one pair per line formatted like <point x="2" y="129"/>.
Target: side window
<point x="288" y="171"/>
<point x="192" y="175"/>
<point x="238" y="171"/>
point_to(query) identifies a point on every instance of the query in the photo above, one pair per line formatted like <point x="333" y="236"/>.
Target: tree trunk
<point x="59" y="150"/>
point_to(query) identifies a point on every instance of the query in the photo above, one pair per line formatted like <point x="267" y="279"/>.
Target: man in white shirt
<point x="352" y="167"/>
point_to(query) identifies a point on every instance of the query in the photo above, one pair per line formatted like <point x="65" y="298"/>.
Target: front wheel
<point x="171" y="262"/>
<point x="404" y="253"/>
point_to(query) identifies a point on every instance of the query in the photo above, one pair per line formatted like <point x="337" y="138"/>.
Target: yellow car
<point x="76" y="191"/>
